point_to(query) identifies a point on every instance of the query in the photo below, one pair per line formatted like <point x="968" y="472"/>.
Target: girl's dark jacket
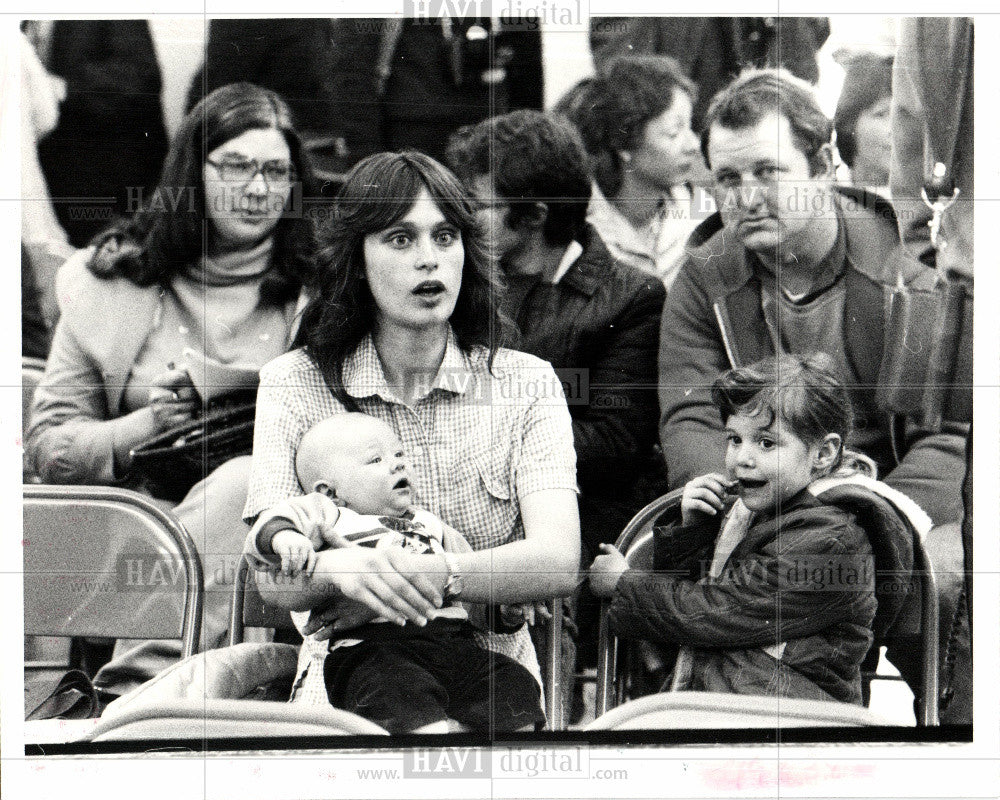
<point x="805" y="577"/>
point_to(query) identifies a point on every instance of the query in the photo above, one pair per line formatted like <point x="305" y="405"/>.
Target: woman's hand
<point x="392" y="583"/>
<point x="704" y="497"/>
<point x="172" y="402"/>
<point x="606" y="570"/>
<point x="172" y="398"/>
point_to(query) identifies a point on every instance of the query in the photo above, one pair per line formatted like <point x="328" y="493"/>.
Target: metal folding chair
<point x="92" y="552"/>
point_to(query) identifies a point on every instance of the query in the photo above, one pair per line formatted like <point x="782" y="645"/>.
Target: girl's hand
<point x="704" y="497"/>
<point x="606" y="570"/>
<point x="172" y="398"/>
<point x="296" y="552"/>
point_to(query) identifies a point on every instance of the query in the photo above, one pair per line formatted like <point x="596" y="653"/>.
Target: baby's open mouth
<point x="751" y="483"/>
<point x="402" y="483"/>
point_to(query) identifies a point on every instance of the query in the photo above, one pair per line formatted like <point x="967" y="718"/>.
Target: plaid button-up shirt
<point x="478" y="440"/>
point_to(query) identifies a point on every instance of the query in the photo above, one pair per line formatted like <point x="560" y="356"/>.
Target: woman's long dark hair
<point x="378" y="192"/>
<point x="167" y="234"/>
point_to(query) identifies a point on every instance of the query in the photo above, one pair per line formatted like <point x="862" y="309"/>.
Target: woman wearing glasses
<point x="210" y="268"/>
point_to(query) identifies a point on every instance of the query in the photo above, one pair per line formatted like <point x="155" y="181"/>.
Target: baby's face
<point x="370" y="473"/>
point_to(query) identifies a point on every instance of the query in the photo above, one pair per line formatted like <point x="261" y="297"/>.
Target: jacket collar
<point x="590" y="269"/>
<point x="868" y="228"/>
<point x="869" y="233"/>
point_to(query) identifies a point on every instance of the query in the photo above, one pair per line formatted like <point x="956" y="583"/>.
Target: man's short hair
<point x="759" y="92"/>
<point x="532" y="157"/>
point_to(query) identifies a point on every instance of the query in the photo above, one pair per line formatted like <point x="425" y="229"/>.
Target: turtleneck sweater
<point x="213" y="309"/>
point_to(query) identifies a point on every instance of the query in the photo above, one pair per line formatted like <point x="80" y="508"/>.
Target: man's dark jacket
<point x="600" y="323"/>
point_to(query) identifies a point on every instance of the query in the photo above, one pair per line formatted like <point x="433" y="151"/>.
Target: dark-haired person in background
<point x="592" y="317"/>
<point x="864" y="137"/>
<point x="589" y="315"/>
<point x="635" y="122"/>
<point x="793" y="264"/>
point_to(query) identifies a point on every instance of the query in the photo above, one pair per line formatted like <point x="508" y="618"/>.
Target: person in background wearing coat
<point x="152" y="288"/>
<point x="594" y="318"/>
<point x="361" y="85"/>
<point x="110" y="142"/>
<point x="932" y="121"/>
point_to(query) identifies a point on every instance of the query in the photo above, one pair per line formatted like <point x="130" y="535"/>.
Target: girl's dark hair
<point x="611" y="111"/>
<point x="378" y="192"/>
<point x="801" y="391"/>
<point x="167" y="234"/>
<point x="868" y="79"/>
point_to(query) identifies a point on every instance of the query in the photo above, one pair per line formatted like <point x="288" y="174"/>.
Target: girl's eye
<point x="729" y="181"/>
<point x="446" y="237"/>
<point x="732" y="439"/>
<point x="767" y="444"/>
<point x="767" y="172"/>
<point x="399" y="240"/>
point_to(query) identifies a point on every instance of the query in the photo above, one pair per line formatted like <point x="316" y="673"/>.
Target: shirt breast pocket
<point x="484" y="501"/>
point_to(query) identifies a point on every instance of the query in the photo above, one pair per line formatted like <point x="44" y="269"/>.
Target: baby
<point x="405" y="678"/>
<point x="768" y="590"/>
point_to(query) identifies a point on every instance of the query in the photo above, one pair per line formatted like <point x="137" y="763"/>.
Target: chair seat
<point x="230" y="719"/>
<point x="717" y="710"/>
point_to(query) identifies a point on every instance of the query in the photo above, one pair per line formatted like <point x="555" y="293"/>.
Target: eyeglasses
<point x="236" y="171"/>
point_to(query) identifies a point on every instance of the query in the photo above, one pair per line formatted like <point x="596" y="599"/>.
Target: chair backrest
<point x="92" y="557"/>
<point x="248" y="609"/>
<point x="900" y="562"/>
<point x="32" y="370"/>
<point x="902" y="567"/>
<point x="635" y="542"/>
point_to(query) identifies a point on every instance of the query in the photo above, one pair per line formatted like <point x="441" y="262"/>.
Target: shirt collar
<point x="602" y="214"/>
<point x="364" y="376"/>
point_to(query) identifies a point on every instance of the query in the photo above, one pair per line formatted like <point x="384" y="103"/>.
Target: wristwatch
<point x="454" y="585"/>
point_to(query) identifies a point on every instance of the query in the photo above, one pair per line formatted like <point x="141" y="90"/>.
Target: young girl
<point x="768" y="590"/>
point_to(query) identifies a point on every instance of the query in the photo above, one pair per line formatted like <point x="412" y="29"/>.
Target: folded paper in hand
<point x="212" y="378"/>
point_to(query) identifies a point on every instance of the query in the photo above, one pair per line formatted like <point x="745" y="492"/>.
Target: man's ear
<point x="827" y="453"/>
<point x="533" y="215"/>
<point x="821" y="164"/>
